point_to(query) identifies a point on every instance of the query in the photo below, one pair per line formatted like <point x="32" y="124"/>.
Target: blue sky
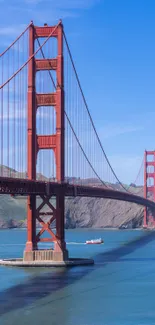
<point x="112" y="42"/>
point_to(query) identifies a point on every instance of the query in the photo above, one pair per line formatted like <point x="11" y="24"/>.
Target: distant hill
<point x="80" y="212"/>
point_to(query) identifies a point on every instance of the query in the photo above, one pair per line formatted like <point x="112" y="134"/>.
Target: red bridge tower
<point x="149" y="189"/>
<point x="54" y="142"/>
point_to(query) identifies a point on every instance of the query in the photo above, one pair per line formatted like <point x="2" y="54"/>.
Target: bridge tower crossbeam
<point x="54" y="142"/>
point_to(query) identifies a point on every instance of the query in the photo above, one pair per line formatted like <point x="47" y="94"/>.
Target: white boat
<point x="95" y="241"/>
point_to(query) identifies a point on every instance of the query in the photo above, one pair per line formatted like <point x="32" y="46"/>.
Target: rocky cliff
<point x="80" y="212"/>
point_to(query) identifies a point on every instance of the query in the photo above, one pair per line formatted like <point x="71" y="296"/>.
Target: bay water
<point x="119" y="289"/>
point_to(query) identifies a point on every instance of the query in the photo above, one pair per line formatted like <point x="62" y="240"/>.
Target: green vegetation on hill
<point x="80" y="212"/>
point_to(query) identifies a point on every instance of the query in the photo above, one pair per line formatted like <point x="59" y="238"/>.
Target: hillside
<point x="80" y="212"/>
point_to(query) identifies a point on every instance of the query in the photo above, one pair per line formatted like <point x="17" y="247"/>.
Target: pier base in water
<point x="19" y="262"/>
<point x="45" y="255"/>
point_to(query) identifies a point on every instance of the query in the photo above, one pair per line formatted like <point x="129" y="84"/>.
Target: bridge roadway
<point x="27" y="187"/>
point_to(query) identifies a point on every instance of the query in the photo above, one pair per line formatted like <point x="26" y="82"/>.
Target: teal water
<point x="118" y="290"/>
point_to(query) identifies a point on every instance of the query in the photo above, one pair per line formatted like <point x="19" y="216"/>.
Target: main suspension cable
<point x="86" y="105"/>
<point x="71" y="124"/>
<point x="31" y="57"/>
<point x="16" y="39"/>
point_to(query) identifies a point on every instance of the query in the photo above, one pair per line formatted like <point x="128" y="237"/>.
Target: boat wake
<point x="74" y="243"/>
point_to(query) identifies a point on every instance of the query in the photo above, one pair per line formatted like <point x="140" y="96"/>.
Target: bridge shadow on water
<point x="126" y="249"/>
<point x="41" y="285"/>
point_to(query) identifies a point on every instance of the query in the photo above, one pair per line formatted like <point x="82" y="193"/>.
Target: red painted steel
<point x="60" y="145"/>
<point x="46" y="142"/>
<point x="54" y="142"/>
<point x="43" y="64"/>
<point x="46" y="99"/>
<point x="149" y="188"/>
<point x="31" y="145"/>
<point x="45" y="31"/>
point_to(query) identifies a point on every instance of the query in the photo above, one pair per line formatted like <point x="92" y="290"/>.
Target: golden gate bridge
<point x="49" y="146"/>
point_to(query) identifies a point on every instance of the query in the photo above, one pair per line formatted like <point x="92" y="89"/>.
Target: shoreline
<point x="80" y="228"/>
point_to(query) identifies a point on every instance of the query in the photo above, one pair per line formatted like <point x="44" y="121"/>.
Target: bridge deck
<point x="27" y="187"/>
